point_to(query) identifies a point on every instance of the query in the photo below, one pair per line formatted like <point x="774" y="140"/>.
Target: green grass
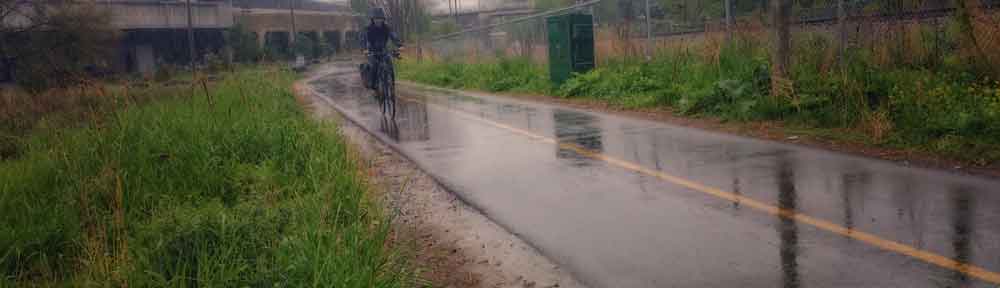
<point x="504" y="75"/>
<point x="942" y="107"/>
<point x="242" y="190"/>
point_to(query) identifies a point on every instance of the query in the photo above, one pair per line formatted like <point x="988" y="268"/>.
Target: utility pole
<point x="729" y="19"/>
<point x="649" y="35"/>
<point x="291" y="9"/>
<point x="191" y="51"/>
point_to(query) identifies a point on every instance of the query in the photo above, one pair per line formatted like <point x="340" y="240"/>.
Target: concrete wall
<point x="266" y="22"/>
<point x="136" y="14"/>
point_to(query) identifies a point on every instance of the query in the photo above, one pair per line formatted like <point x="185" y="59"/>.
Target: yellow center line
<point x="885" y="244"/>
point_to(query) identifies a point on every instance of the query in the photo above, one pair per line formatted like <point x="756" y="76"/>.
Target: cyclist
<point x="376" y="36"/>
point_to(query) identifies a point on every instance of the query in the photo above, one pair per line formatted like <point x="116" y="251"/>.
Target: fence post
<point x="780" y="85"/>
<point x="649" y="34"/>
<point x="729" y="19"/>
<point x="841" y="32"/>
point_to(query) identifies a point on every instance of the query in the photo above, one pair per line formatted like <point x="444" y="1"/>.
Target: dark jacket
<point x="375" y="38"/>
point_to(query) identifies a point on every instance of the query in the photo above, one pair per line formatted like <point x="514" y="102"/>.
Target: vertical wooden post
<point x="781" y="86"/>
<point x="729" y="19"/>
<point x="841" y="32"/>
<point x="190" y="28"/>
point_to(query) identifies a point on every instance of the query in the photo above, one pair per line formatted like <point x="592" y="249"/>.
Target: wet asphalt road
<point x="630" y="203"/>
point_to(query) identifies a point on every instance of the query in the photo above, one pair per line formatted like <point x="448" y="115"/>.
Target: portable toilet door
<point x="560" y="62"/>
<point x="571" y="46"/>
<point x="582" y="39"/>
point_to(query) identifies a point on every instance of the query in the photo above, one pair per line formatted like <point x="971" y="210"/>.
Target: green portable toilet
<point x="571" y="45"/>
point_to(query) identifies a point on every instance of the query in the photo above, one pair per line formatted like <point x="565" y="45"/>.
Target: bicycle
<point x="385" y="85"/>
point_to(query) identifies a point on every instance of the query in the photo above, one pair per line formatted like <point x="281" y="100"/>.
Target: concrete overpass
<point x="273" y="27"/>
<point x="146" y="14"/>
<point x="155" y="31"/>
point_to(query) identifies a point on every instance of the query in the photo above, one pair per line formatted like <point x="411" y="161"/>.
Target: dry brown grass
<point x="86" y="104"/>
<point x="986" y="30"/>
<point x="22" y="111"/>
<point x="877" y="125"/>
<point x="105" y="256"/>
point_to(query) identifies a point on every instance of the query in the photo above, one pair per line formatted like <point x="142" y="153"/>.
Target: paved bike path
<point x="630" y="203"/>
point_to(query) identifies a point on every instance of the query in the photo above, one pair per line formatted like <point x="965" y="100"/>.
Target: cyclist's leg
<point x="372" y="71"/>
<point x="391" y="67"/>
<point x="390" y="83"/>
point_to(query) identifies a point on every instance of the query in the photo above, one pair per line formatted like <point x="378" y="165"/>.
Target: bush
<point x="56" y="46"/>
<point x="244" y="44"/>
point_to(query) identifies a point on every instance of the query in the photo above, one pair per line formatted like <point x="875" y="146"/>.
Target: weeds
<point x="177" y="192"/>
<point x="514" y="75"/>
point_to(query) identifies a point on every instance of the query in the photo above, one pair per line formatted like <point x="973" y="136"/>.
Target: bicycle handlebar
<point x="394" y="53"/>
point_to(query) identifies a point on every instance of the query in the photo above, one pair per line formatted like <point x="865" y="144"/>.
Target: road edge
<point x="303" y="88"/>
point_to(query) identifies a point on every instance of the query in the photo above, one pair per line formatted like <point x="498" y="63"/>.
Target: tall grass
<point x="233" y="188"/>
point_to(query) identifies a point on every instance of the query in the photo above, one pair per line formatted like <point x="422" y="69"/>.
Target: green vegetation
<point x="918" y="90"/>
<point x="57" y="43"/>
<point x="244" y="43"/>
<point x="503" y="75"/>
<point x="233" y="188"/>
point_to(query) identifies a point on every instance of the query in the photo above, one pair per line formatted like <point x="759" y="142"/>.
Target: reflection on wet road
<point x="630" y="203"/>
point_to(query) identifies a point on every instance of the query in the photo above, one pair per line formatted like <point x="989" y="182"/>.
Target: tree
<point x="244" y="43"/>
<point x="52" y="43"/>
<point x="305" y="46"/>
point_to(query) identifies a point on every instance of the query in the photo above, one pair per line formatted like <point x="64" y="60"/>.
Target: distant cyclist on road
<point x="376" y="36"/>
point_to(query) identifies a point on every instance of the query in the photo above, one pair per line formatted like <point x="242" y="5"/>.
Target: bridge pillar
<point x="145" y="59"/>
<point x="333" y="38"/>
<point x="261" y="40"/>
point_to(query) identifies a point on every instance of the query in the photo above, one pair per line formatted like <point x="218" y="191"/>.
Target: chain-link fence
<point x="922" y="73"/>
<point x="507" y="36"/>
<point x="635" y="28"/>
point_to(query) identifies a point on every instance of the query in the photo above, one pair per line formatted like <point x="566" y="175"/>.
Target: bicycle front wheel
<point x="391" y="95"/>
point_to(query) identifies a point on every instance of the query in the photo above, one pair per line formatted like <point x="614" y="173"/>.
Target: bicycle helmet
<point x="376" y="13"/>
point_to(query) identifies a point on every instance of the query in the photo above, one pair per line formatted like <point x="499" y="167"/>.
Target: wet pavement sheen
<point x="614" y="227"/>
